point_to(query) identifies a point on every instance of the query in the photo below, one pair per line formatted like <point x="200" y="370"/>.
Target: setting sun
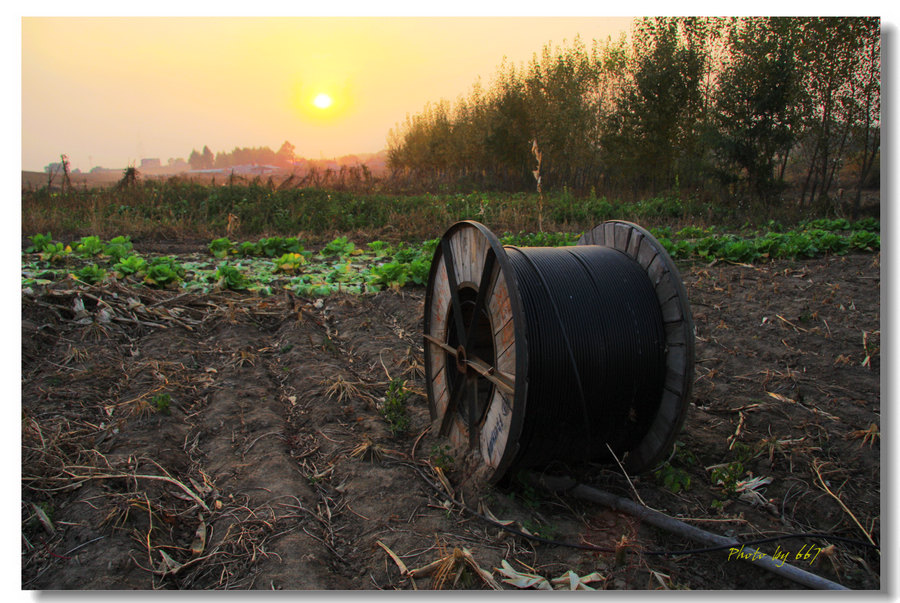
<point x="322" y="101"/>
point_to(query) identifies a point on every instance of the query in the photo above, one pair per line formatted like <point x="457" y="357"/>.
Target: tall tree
<point x="207" y="159"/>
<point x="285" y="155"/>
<point x="830" y="48"/>
<point x="757" y="90"/>
<point x="865" y="107"/>
<point x="654" y="123"/>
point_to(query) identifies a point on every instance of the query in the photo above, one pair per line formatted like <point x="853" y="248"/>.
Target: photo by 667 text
<point x="808" y="553"/>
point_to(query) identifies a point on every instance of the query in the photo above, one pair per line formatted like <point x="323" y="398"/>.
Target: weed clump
<point x="393" y="409"/>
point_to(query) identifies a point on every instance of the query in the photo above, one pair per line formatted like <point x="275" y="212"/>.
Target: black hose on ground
<point x="670" y="524"/>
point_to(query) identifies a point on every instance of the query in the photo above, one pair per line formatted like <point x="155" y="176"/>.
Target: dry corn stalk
<point x="453" y="565"/>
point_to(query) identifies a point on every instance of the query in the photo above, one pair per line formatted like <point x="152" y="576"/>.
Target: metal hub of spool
<point x="477" y="348"/>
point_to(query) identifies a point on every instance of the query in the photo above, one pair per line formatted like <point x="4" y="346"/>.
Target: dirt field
<point x="272" y="467"/>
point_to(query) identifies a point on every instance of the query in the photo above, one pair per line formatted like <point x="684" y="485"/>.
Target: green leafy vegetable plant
<point x="276" y="246"/>
<point x="248" y="249"/>
<point x="90" y="274"/>
<point x="163" y="272"/>
<point x="340" y="247"/>
<point x="133" y="264"/>
<point x="89" y="246"/>
<point x="290" y="263"/>
<point x="865" y="240"/>
<point x="229" y="277"/>
<point x="54" y="252"/>
<point x="118" y="247"/>
<point x="221" y="248"/>
<point x="379" y="248"/>
<point x="39" y="242"/>
<point x="389" y="275"/>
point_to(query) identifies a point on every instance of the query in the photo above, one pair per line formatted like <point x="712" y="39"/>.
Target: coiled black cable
<point x="596" y="352"/>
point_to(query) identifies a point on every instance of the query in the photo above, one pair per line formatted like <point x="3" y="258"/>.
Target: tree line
<point x="206" y="159"/>
<point x="739" y="108"/>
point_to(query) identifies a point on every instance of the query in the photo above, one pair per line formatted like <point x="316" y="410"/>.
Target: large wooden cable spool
<point x="536" y="355"/>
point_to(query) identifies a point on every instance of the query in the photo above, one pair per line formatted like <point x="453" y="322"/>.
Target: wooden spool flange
<point x="642" y="247"/>
<point x="475" y="362"/>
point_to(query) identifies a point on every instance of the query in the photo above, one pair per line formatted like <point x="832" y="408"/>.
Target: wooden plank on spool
<point x="642" y="457"/>
<point x="665" y="289"/>
<point x="634" y="244"/>
<point x="647" y="253"/>
<point x="656" y="270"/>
<point x="440" y="389"/>
<point x="676" y="359"/>
<point x="675" y="333"/>
<point x="506" y="356"/>
<point x="460" y="248"/>
<point x="498" y="305"/>
<point x="480" y="246"/>
<point x="501" y="316"/>
<point x="495" y="431"/>
<point x="609" y="233"/>
<point x="469" y="249"/>
<point x="459" y="435"/>
<point x="674" y="378"/>
<point x="669" y="407"/>
<point x="440" y="303"/>
<point x="622" y="236"/>
<point x="671" y="310"/>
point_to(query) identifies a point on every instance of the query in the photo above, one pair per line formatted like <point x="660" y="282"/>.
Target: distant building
<point x="254" y="169"/>
<point x="178" y="164"/>
<point x="243" y="170"/>
<point x="150" y="163"/>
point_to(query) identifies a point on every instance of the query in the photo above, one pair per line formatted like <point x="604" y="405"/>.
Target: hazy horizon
<point x="111" y="91"/>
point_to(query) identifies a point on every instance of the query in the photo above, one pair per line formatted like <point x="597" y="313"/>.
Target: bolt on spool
<point x="541" y="355"/>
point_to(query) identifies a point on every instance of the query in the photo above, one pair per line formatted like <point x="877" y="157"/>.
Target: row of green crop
<point x="810" y="239"/>
<point x="340" y="266"/>
<point x="262" y="266"/>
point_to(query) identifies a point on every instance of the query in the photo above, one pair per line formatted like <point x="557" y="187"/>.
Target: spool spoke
<point x="480" y="300"/>
<point x="472" y="398"/>
<point x="501" y="380"/>
<point x="431" y="339"/>
<point x="458" y="390"/>
<point x="454" y="290"/>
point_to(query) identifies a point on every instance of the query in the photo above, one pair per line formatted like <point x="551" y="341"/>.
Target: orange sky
<point x="110" y="91"/>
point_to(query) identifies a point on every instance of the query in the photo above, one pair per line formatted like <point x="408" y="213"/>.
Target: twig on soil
<point x="416" y="443"/>
<point x="737" y="432"/>
<point x="404" y="571"/>
<point x="795" y="327"/>
<point x="816" y="465"/>
<point x="621" y="468"/>
<point x="123" y="475"/>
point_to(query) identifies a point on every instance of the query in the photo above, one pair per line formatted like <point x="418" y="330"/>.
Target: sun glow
<point x="322" y="101"/>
